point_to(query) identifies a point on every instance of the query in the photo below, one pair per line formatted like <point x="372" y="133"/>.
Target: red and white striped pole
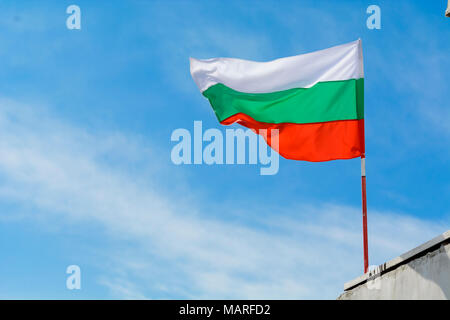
<point x="364" y="211"/>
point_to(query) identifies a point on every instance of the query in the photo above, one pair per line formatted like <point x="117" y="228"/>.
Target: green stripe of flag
<point x="325" y="101"/>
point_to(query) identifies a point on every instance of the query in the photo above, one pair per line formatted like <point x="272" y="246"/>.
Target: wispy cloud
<point x="167" y="247"/>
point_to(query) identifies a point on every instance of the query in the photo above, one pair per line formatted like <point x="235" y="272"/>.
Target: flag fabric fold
<point x="314" y="100"/>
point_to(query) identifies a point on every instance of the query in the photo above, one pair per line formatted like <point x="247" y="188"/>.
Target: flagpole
<point x="364" y="211"/>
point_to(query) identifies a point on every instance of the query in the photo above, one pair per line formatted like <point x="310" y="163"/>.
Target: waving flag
<point x="315" y="100"/>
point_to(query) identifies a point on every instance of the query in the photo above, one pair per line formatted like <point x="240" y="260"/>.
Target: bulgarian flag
<point x="314" y="100"/>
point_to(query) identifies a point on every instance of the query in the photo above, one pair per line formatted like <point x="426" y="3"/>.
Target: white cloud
<point x="168" y="248"/>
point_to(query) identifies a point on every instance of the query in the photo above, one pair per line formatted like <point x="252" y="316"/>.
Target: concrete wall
<point x="424" y="277"/>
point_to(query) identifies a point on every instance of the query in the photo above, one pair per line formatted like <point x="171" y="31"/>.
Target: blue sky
<point x="85" y="172"/>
